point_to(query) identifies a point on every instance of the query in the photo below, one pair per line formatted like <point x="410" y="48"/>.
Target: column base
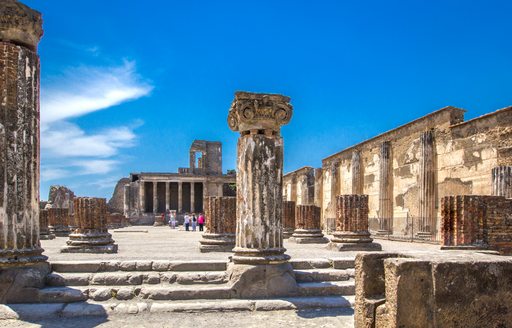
<point x="20" y="283"/>
<point x="382" y="233"/>
<point x="19" y="257"/>
<point x="265" y="280"/>
<point x="47" y="236"/>
<point x="90" y="242"/>
<point x="253" y="256"/>
<point x="59" y="231"/>
<point x="425" y="235"/>
<point x="304" y="236"/>
<point x="287" y="232"/>
<point x="217" y="242"/>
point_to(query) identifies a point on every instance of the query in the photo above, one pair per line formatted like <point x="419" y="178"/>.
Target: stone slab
<point x="350" y="247"/>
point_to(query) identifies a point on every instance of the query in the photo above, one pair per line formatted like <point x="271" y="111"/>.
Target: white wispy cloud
<point x="68" y="149"/>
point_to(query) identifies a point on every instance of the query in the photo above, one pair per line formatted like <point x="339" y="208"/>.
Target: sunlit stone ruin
<point x="411" y="228"/>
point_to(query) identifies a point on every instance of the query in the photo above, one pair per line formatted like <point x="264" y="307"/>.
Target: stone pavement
<point x="163" y="243"/>
<point x="340" y="318"/>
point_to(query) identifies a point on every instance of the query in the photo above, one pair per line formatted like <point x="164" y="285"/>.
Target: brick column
<point x="44" y="232"/>
<point x="58" y="221"/>
<point x="220" y="213"/>
<point x="502" y="181"/>
<point x="352" y="225"/>
<point x="307" y="226"/>
<point x="260" y="258"/>
<point x="288" y="218"/>
<point x="92" y="235"/>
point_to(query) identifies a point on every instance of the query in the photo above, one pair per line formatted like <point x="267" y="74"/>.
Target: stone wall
<point x="462" y="158"/>
<point x="299" y="186"/>
<point x="478" y="221"/>
<point x="116" y="203"/>
<point x="61" y="197"/>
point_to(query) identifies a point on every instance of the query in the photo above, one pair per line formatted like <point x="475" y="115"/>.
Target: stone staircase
<point x="122" y="287"/>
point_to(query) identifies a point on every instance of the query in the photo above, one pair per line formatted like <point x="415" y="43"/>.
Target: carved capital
<point x="258" y="111"/>
<point x="20" y="24"/>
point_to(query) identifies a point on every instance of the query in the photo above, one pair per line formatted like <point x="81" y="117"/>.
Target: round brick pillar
<point x="220" y="213"/>
<point x="307" y="226"/>
<point x="288" y="218"/>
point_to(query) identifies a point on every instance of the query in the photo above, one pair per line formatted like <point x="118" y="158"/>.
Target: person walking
<point x="194" y="221"/>
<point x="172" y="220"/>
<point x="187" y="222"/>
<point x="200" y="221"/>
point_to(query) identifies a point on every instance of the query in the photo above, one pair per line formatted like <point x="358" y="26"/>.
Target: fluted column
<point x="142" y="196"/>
<point x="180" y="197"/>
<point x="58" y="221"/>
<point x="220" y="213"/>
<point x="319" y="183"/>
<point x="192" y="198"/>
<point x="155" y="197"/>
<point x="288" y="218"/>
<point x="385" y="190"/>
<point x="167" y="196"/>
<point x="258" y="118"/>
<point x="352" y="225"/>
<point x="427" y="193"/>
<point x="330" y="220"/>
<point x="20" y="32"/>
<point x="502" y="181"/>
<point x="44" y="231"/>
<point x="307" y="226"/>
<point x="357" y="173"/>
<point x="126" y="200"/>
<point x="91" y="236"/>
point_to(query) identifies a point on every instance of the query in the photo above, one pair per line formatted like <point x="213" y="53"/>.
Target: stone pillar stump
<point x="91" y="236"/>
<point x="58" y="221"/>
<point x="260" y="266"/>
<point x="288" y="218"/>
<point x="352" y="225"/>
<point x="44" y="231"/>
<point x="307" y="226"/>
<point x="220" y="213"/>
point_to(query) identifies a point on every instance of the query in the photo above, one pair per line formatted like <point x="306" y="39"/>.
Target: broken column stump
<point x="91" y="236"/>
<point x="288" y="218"/>
<point x="307" y="226"/>
<point x="352" y="225"/>
<point x="58" y="221"/>
<point x="44" y="231"/>
<point x="220" y="213"/>
<point x="260" y="266"/>
<point x="23" y="268"/>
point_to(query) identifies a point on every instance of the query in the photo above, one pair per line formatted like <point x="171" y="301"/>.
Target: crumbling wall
<point x="116" y="203"/>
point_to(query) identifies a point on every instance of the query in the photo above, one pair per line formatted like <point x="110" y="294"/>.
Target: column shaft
<point x="220" y="213"/>
<point x="180" y="197"/>
<point x="357" y="175"/>
<point x="155" y="197"/>
<point x="167" y="195"/>
<point x="502" y="181"/>
<point x="427" y="194"/>
<point x="142" y="196"/>
<point x="385" y="189"/>
<point x="192" y="198"/>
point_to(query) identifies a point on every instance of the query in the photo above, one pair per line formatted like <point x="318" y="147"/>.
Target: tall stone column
<point x="319" y="185"/>
<point x="502" y="181"/>
<point x="192" y="198"/>
<point x="44" y="232"/>
<point x="142" y="196"/>
<point x="155" y="197"/>
<point x="22" y="265"/>
<point x="330" y="220"/>
<point x="352" y="225"/>
<point x="427" y="194"/>
<point x="288" y="218"/>
<point x="167" y="196"/>
<point x="307" y="226"/>
<point x="261" y="267"/>
<point x="357" y="173"/>
<point x="126" y="200"/>
<point x="385" y="190"/>
<point x="91" y="236"/>
<point x="180" y="197"/>
<point x="220" y="213"/>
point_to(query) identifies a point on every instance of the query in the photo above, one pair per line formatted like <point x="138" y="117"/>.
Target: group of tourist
<point x="191" y="221"/>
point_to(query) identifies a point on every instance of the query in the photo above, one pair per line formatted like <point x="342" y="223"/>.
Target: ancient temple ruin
<point x="408" y="170"/>
<point x="149" y="194"/>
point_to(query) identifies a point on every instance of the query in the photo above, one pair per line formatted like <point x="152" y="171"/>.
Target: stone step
<point x="112" y="308"/>
<point x="335" y="263"/>
<point x="140" y="265"/>
<point x="332" y="288"/>
<point x="319" y="275"/>
<point x="121" y="278"/>
<point x="134" y="293"/>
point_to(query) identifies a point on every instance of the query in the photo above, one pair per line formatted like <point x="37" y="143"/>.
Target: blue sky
<point x="128" y="85"/>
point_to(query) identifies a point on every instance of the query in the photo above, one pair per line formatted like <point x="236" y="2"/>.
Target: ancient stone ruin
<point x="220" y="213"/>
<point x="307" y="226"/>
<point x="91" y="236"/>
<point x="352" y="225"/>
<point x="44" y="231"/>
<point x="59" y="221"/>
<point x="288" y="218"/>
<point x="61" y="197"/>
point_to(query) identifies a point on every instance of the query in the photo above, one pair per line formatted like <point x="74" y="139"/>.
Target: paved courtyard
<point x="163" y="243"/>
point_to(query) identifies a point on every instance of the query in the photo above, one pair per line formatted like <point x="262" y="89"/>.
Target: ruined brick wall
<point x="464" y="155"/>
<point x="477" y="221"/>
